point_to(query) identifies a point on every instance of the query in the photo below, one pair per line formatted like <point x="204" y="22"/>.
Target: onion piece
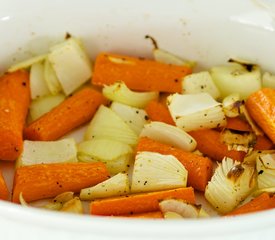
<point x="169" y="134"/>
<point x="73" y="206"/>
<point x="199" y="83"/>
<point x="57" y="203"/>
<point x="153" y="171"/>
<point x="250" y="121"/>
<point x="71" y="64"/>
<point x="38" y="84"/>
<point x="231" y="105"/>
<point x="234" y="76"/>
<point x="45" y="152"/>
<point x="22" y="200"/>
<point x="196" y="111"/>
<point x="243" y="141"/>
<point x="27" y="63"/>
<point x="135" y="118"/>
<point x="119" y="92"/>
<point x="268" y="80"/>
<point x="107" y="124"/>
<point x="253" y="155"/>
<point x="231" y="183"/>
<point x="51" y="78"/>
<point x="166" y="57"/>
<point x="266" y="170"/>
<point x="263" y="190"/>
<point x="116" y="155"/>
<point x="117" y="185"/>
<point x="181" y="209"/>
<point x="42" y="105"/>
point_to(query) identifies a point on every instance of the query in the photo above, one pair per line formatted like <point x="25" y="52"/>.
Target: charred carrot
<point x="263" y="143"/>
<point x="138" y="74"/>
<point x="156" y="111"/>
<point x="238" y="124"/>
<point x="48" y="180"/>
<point x="139" y="203"/>
<point x="156" y="214"/>
<point x="263" y="202"/>
<point x="210" y="144"/>
<point x="71" y="113"/>
<point x="4" y="192"/>
<point x="199" y="168"/>
<point x="14" y="103"/>
<point x="261" y="107"/>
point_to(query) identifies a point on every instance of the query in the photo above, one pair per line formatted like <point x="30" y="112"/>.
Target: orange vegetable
<point x="263" y="202"/>
<point x="159" y="112"/>
<point x="156" y="214"/>
<point x="71" y="113"/>
<point x="48" y="180"/>
<point x="138" y="74"/>
<point x="210" y="144"/>
<point x="14" y="103"/>
<point x="263" y="143"/>
<point x="139" y="203"/>
<point x="199" y="168"/>
<point x="261" y="107"/>
<point x="238" y="124"/>
<point x="4" y="192"/>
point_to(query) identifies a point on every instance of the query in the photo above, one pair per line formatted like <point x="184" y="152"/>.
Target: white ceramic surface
<point x="209" y="31"/>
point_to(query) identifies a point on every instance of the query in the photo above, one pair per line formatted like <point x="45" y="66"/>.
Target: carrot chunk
<point x="210" y="144"/>
<point x="263" y="202"/>
<point x="261" y="107"/>
<point x="139" y="203"/>
<point x="138" y="74"/>
<point x="199" y="168"/>
<point x="48" y="180"/>
<point x="14" y="103"/>
<point x="156" y="214"/>
<point x="263" y="143"/>
<point x="238" y="124"/>
<point x="71" y="113"/>
<point x="156" y="111"/>
<point x="4" y="192"/>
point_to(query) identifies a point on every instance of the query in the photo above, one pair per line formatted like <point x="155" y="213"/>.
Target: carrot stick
<point x="4" y="192"/>
<point x="71" y="113"/>
<point x="263" y="143"/>
<point x="263" y="202"/>
<point x="199" y="168"/>
<point x="209" y="143"/>
<point x="138" y="73"/>
<point x="139" y="203"/>
<point x="261" y="107"/>
<point x="14" y="103"/>
<point x="48" y="180"/>
<point x="156" y="111"/>
<point x="156" y="214"/>
<point x="238" y="124"/>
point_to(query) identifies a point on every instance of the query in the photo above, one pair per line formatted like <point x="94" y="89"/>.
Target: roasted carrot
<point x="4" y="192"/>
<point x="138" y="73"/>
<point x="71" y="113"/>
<point x="261" y="106"/>
<point x="156" y="111"/>
<point x="156" y="214"/>
<point x="199" y="168"/>
<point x="263" y="202"/>
<point x="14" y="103"/>
<point x="210" y="144"/>
<point x="48" y="180"/>
<point x="263" y="143"/>
<point x="139" y="203"/>
<point x="238" y="124"/>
